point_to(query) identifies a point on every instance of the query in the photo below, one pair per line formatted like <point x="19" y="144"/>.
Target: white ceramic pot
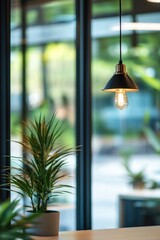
<point x="45" y="225"/>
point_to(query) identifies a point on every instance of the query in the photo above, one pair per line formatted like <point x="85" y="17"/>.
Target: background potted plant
<point x="12" y="223"/>
<point x="39" y="176"/>
<point x="153" y="139"/>
<point x="136" y="178"/>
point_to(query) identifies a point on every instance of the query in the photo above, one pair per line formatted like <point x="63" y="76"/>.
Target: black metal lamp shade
<point x="120" y="83"/>
<point x="120" y="80"/>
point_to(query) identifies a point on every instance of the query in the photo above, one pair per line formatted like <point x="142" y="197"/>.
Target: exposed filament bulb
<point x="121" y="100"/>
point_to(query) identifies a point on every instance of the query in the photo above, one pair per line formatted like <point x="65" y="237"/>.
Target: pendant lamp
<point x="120" y="82"/>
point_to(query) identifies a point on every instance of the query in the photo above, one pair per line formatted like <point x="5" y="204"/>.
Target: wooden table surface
<point x="138" y="233"/>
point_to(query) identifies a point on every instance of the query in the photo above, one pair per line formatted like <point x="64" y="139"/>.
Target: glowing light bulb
<point x="121" y="100"/>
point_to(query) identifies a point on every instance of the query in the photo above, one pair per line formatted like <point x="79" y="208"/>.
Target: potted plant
<point x="136" y="178"/>
<point x="39" y="176"/>
<point x="12" y="223"/>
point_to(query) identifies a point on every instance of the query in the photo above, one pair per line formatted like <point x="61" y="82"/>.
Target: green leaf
<point x="39" y="176"/>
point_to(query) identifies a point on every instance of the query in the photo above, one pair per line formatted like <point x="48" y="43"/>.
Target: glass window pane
<point x="125" y="143"/>
<point x="50" y="82"/>
<point x="33" y="16"/>
<point x="15" y="14"/>
<point x="58" y="11"/>
<point x="109" y="7"/>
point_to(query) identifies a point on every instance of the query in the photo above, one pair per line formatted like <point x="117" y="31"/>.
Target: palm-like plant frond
<point x="39" y="176"/>
<point x="12" y="223"/>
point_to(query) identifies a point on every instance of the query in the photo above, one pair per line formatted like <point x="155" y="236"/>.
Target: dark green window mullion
<point x="24" y="107"/>
<point x="23" y="50"/>
<point x="83" y="113"/>
<point x="4" y="90"/>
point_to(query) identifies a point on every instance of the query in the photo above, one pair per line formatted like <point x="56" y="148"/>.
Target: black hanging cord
<point x="120" y="31"/>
